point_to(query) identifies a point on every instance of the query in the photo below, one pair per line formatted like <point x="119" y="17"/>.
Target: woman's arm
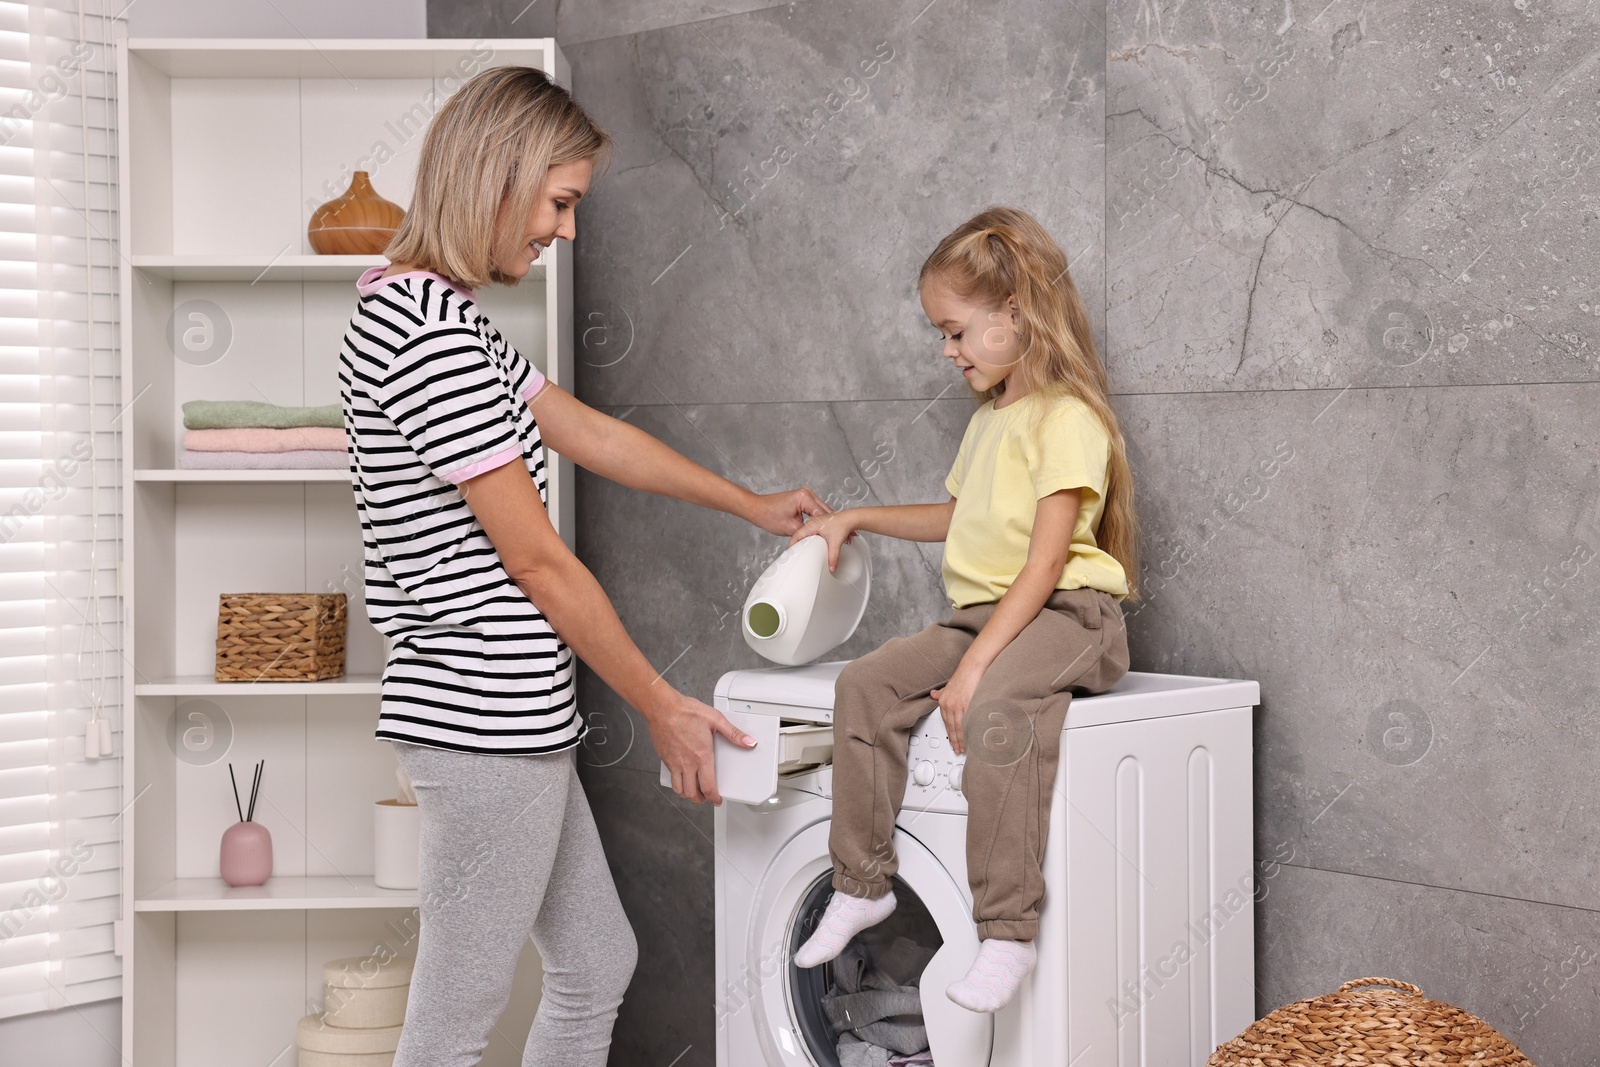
<point x="628" y="456"/>
<point x="506" y="502"/>
<point x="909" y="522"/>
<point x="1048" y="548"/>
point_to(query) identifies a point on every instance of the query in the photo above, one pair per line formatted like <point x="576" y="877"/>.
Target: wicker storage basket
<point x="1395" y="1025"/>
<point x="280" y="637"/>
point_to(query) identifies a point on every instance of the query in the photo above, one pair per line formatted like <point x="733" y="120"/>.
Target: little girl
<point x="1040" y="546"/>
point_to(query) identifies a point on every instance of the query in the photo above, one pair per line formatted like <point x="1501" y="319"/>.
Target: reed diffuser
<point x="246" y="845"/>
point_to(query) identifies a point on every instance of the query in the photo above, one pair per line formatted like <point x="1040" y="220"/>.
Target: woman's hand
<point x="786" y="512"/>
<point x="683" y="731"/>
<point x="835" y="528"/>
<point x="954" y="697"/>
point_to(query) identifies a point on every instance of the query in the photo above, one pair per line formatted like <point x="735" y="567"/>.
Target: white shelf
<point x="203" y="685"/>
<point x="158" y="475"/>
<point x="299" y="57"/>
<point x="281" y="893"/>
<point x="284" y="268"/>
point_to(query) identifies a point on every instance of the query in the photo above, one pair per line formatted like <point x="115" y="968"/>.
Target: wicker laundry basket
<point x="280" y="637"/>
<point x="1393" y="1026"/>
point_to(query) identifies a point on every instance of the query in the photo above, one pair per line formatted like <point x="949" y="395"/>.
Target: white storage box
<point x="365" y="994"/>
<point x="322" y="1045"/>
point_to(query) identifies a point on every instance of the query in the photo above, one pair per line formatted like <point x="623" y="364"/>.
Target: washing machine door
<point x="794" y="886"/>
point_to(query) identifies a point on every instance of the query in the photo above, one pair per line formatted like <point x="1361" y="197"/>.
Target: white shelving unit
<point x="226" y="146"/>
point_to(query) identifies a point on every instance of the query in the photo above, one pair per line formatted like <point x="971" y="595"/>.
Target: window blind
<point x="60" y="615"/>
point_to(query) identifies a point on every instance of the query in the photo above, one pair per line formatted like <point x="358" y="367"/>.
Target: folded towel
<point x="255" y="439"/>
<point x="303" y="459"/>
<point x="233" y="414"/>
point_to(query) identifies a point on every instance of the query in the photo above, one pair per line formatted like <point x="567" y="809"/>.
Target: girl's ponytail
<point x="1003" y="253"/>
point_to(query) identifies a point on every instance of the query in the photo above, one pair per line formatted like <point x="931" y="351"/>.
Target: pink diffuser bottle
<point x="246" y="845"/>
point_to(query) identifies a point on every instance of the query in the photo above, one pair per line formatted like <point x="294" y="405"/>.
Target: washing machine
<point x="1146" y="942"/>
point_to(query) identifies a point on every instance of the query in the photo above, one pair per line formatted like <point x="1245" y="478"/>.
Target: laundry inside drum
<point x="863" y="1008"/>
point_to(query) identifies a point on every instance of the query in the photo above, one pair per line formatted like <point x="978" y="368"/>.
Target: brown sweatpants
<point x="1013" y="728"/>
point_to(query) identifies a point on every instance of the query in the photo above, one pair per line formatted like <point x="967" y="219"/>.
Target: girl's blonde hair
<point x="488" y="146"/>
<point x="1004" y="253"/>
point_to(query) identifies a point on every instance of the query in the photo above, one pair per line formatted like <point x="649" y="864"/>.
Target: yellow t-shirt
<point x="1002" y="470"/>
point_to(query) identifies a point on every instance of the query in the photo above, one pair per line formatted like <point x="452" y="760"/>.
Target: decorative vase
<point x="246" y="854"/>
<point x="358" y="222"/>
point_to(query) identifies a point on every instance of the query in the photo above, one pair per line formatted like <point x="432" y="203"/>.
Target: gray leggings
<point x="509" y="849"/>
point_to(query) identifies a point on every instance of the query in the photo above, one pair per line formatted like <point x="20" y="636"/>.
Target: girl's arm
<point x="909" y="522"/>
<point x="1048" y="547"/>
<point x="628" y="456"/>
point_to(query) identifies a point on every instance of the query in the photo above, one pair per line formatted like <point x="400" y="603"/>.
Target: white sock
<point x="995" y="976"/>
<point x="844" y="918"/>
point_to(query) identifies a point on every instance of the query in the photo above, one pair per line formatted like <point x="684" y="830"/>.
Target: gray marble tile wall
<point x="1336" y="258"/>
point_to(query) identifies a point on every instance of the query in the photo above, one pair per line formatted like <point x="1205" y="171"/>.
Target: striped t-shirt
<point x="433" y="395"/>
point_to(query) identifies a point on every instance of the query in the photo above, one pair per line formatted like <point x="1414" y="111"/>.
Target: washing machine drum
<point x="791" y="1021"/>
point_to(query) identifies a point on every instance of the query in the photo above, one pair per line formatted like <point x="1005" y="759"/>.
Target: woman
<point x="484" y="603"/>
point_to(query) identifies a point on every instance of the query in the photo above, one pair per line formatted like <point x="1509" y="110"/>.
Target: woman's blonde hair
<point x="488" y="146"/>
<point x="1004" y="253"/>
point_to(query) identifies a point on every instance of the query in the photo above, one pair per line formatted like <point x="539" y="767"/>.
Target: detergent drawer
<point x="783" y="748"/>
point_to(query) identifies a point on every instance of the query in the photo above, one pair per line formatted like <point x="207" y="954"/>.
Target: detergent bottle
<point x="797" y="610"/>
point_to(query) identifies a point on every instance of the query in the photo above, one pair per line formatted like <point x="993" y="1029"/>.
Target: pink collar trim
<point x="372" y="280"/>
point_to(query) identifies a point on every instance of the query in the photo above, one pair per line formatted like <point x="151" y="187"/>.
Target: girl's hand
<point x="954" y="697"/>
<point x="785" y="513"/>
<point x="835" y="528"/>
